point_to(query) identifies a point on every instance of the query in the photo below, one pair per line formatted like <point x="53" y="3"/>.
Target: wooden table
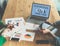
<point x="38" y="36"/>
<point x="22" y="8"/>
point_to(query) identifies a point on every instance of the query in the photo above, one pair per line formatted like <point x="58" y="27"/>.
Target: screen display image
<point x="40" y="10"/>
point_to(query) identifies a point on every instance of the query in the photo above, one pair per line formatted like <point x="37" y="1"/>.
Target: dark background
<point x="3" y="4"/>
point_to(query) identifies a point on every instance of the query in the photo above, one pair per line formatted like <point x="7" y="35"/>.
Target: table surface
<point x="38" y="36"/>
<point x="18" y="8"/>
<point x="22" y="8"/>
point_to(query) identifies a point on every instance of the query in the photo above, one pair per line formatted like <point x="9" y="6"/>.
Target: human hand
<point x="45" y="31"/>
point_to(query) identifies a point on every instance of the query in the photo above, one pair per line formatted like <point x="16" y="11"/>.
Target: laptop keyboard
<point x="34" y="21"/>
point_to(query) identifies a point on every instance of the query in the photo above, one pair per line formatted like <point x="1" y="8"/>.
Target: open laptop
<point x="39" y="13"/>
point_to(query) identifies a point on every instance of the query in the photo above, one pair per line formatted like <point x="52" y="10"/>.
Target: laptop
<point x="39" y="13"/>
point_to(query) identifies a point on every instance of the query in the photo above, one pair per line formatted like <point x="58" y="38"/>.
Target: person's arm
<point x="53" y="34"/>
<point x="45" y="31"/>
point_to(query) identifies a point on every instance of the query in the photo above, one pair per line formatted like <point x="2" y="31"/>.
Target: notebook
<point x="39" y="13"/>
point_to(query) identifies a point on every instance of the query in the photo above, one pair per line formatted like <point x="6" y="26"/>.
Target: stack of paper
<point x="19" y="26"/>
<point x="19" y="30"/>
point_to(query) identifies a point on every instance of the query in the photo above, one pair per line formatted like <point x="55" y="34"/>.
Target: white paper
<point x="31" y="26"/>
<point x="14" y="20"/>
<point x="7" y="33"/>
<point x="17" y="22"/>
<point x="17" y="28"/>
<point x="32" y="34"/>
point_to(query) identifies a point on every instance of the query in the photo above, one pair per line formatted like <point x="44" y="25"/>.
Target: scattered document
<point x="19" y="23"/>
<point x="31" y="26"/>
<point x="28" y="36"/>
<point x="19" y="32"/>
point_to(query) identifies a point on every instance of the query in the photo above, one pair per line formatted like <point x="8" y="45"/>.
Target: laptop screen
<point x="40" y="10"/>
